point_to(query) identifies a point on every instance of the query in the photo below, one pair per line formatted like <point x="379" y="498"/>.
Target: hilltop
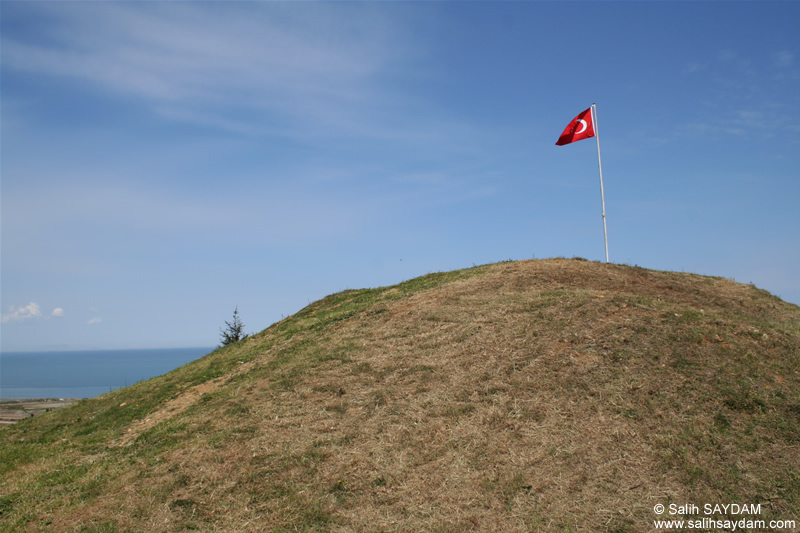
<point x="545" y="395"/>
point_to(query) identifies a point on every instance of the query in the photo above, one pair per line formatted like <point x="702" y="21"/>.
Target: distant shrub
<point x="234" y="331"/>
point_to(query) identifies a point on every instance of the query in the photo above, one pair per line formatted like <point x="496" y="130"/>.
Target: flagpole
<point x="600" y="166"/>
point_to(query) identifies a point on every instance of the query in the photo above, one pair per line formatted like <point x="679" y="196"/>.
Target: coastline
<point x="13" y="410"/>
<point x="28" y="376"/>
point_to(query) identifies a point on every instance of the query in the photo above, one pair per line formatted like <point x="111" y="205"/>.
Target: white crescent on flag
<point x="583" y="123"/>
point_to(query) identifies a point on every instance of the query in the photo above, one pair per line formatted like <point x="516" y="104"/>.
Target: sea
<point x="85" y="374"/>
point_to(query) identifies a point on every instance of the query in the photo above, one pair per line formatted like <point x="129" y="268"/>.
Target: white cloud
<point x="95" y="320"/>
<point x="22" y="313"/>
<point x="57" y="312"/>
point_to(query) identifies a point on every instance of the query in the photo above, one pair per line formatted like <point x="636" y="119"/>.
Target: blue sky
<point x="163" y="163"/>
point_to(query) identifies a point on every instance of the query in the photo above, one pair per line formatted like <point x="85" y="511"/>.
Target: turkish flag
<point x="581" y="127"/>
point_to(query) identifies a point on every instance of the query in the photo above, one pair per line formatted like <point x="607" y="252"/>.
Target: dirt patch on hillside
<point x="177" y="405"/>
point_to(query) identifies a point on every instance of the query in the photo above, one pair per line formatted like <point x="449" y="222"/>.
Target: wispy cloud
<point x="273" y="213"/>
<point x="25" y="312"/>
<point x="763" y="121"/>
<point x="93" y="321"/>
<point x="57" y="312"/>
<point x="744" y="95"/>
<point x="783" y="59"/>
<point x="322" y="65"/>
<point x="695" y="67"/>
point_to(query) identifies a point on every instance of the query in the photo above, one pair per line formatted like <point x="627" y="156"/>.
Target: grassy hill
<point x="549" y="395"/>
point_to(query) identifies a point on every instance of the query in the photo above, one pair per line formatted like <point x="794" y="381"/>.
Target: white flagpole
<point x="600" y="166"/>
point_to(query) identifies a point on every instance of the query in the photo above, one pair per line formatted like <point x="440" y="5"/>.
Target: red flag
<point x="581" y="127"/>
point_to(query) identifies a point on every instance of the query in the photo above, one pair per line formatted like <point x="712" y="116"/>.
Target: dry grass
<point x="556" y="395"/>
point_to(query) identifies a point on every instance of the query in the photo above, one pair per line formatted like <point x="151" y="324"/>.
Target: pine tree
<point x="234" y="331"/>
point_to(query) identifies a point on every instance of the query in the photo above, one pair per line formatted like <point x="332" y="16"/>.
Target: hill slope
<point x="555" y="395"/>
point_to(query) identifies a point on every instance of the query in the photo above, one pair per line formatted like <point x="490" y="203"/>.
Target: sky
<point x="164" y="163"/>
